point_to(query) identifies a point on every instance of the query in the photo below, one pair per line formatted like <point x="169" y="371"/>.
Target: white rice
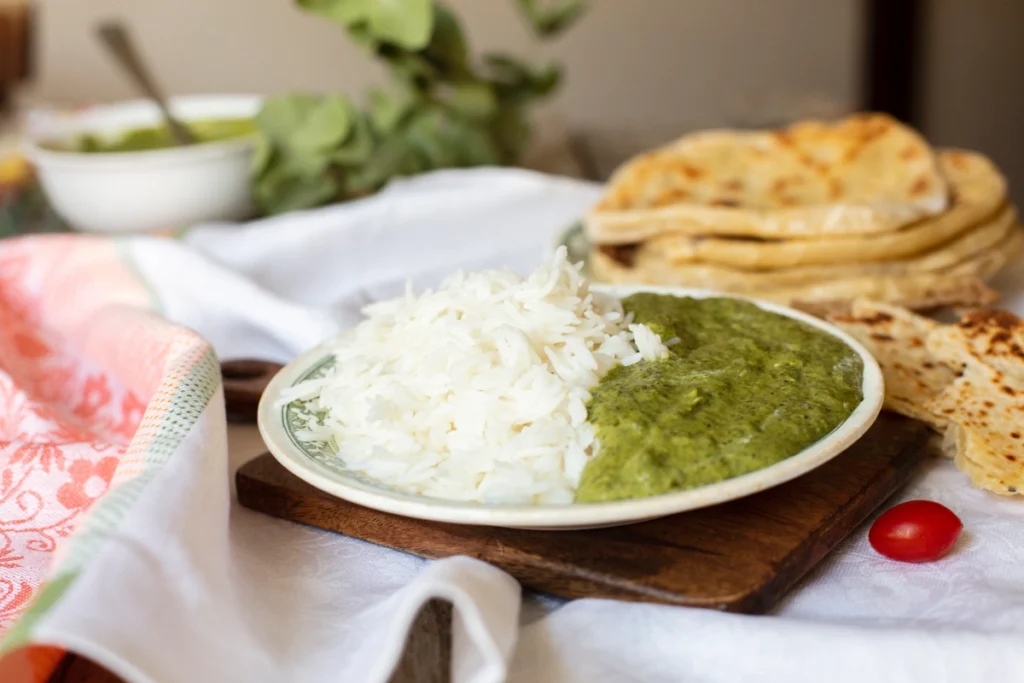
<point x="478" y="391"/>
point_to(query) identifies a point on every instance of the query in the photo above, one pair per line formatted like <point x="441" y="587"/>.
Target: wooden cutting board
<point x="740" y="557"/>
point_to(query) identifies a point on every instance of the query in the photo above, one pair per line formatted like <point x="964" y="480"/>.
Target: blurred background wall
<point x="971" y="93"/>
<point x="638" y="71"/>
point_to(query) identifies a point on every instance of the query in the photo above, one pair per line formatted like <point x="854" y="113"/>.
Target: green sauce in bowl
<point x="155" y="137"/>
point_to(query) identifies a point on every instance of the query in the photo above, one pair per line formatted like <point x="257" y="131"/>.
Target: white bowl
<point x="163" y="189"/>
<point x="327" y="473"/>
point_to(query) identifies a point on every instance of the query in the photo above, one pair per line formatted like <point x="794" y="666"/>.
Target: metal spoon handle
<point x="119" y="42"/>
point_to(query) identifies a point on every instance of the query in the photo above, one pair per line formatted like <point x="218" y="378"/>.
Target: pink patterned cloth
<point x="80" y="360"/>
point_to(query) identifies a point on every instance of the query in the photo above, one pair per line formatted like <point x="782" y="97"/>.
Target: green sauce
<point x="158" y="137"/>
<point x="743" y="389"/>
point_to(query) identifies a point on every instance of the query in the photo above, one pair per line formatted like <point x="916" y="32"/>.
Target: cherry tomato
<point x="915" y="531"/>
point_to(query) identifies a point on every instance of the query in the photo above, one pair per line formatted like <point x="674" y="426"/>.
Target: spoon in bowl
<point x="118" y="42"/>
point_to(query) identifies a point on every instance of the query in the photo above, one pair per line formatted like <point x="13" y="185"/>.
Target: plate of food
<point x="549" y="402"/>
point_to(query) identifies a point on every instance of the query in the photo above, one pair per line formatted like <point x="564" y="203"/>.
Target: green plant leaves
<point x="388" y="108"/>
<point x="476" y="146"/>
<point x="426" y="134"/>
<point x="359" y="33"/>
<point x="548" y="21"/>
<point x="409" y="23"/>
<point x="441" y="111"/>
<point x="447" y="140"/>
<point x="279" y="190"/>
<point x="405" y="23"/>
<point x="262" y="155"/>
<point x="520" y="81"/>
<point x="305" y="121"/>
<point x="299" y="134"/>
<point x="412" y="69"/>
<point x="358" y="147"/>
<point x="345" y="12"/>
<point x="281" y="116"/>
<point x="448" y="47"/>
<point x="473" y="99"/>
<point x="511" y="132"/>
<point x="325" y="125"/>
<point x="390" y="159"/>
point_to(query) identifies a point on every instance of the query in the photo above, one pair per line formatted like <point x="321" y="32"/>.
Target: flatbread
<point x="865" y="174"/>
<point x="986" y="403"/>
<point x="918" y="291"/>
<point x="960" y="285"/>
<point x="976" y="241"/>
<point x="977" y="192"/>
<point x="898" y="340"/>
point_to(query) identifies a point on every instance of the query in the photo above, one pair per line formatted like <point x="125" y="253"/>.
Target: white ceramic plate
<point x="315" y="465"/>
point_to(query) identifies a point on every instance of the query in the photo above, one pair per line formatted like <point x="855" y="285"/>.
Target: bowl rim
<point x="90" y="119"/>
<point x="575" y="515"/>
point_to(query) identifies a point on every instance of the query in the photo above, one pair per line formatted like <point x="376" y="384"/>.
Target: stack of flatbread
<point x="966" y="381"/>
<point x="815" y="216"/>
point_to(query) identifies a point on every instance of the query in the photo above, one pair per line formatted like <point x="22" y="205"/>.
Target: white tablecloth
<point x="188" y="597"/>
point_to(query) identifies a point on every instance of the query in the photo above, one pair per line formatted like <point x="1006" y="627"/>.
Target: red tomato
<point x="915" y="531"/>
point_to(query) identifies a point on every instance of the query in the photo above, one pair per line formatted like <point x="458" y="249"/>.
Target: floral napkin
<point x="88" y="380"/>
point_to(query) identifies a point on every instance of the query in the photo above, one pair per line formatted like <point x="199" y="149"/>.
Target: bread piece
<point x="977" y="196"/>
<point x="897" y="339"/>
<point x="972" y="243"/>
<point x="986" y="403"/>
<point x="865" y="174"/>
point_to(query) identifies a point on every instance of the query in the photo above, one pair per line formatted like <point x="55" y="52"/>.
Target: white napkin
<point x="196" y="588"/>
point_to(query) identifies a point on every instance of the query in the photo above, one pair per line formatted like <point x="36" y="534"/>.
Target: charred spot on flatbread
<point x="984" y="404"/>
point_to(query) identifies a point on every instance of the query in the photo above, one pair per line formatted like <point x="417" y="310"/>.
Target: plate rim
<point x="575" y="515"/>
